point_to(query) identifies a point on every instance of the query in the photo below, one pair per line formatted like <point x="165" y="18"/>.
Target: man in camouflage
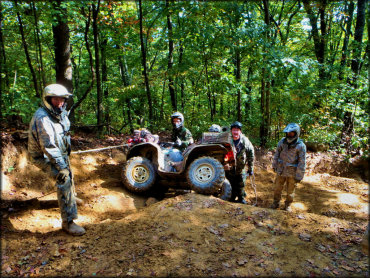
<point x="289" y="165"/>
<point x="49" y="146"/>
<point x="181" y="136"/>
<point x="244" y="159"/>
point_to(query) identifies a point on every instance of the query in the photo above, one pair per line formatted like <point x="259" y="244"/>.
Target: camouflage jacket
<point x="49" y="137"/>
<point x="184" y="135"/>
<point x="244" y="154"/>
<point x="290" y="159"/>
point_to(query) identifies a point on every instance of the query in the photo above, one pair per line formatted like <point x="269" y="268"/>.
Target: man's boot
<point x="287" y="207"/>
<point x="73" y="229"/>
<point x="275" y="204"/>
<point x="242" y="200"/>
<point x="79" y="201"/>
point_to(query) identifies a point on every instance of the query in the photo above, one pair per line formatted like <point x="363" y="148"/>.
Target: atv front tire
<point x="206" y="175"/>
<point x="138" y="174"/>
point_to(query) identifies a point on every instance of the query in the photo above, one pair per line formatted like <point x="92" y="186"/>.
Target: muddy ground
<point x="185" y="234"/>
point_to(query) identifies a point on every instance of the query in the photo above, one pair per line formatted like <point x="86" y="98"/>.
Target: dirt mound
<point x="181" y="235"/>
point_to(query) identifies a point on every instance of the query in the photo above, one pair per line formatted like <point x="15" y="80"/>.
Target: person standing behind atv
<point x="49" y="146"/>
<point x="289" y="164"/>
<point x="244" y="155"/>
<point x="181" y="136"/>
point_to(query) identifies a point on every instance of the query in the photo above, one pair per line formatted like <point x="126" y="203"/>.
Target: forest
<point x="130" y="64"/>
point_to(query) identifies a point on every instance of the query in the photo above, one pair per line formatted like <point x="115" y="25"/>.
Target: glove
<point x="178" y="142"/>
<point x="250" y="172"/>
<point x="62" y="175"/>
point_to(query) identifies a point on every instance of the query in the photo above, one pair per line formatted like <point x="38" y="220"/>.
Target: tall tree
<point x="25" y="47"/>
<point x="38" y="42"/>
<point x="171" y="85"/>
<point x="349" y="12"/>
<point x="265" y="83"/>
<point x="62" y="49"/>
<point x="144" y="65"/>
<point x="348" y="126"/>
<point x="95" y="11"/>
<point x="319" y="38"/>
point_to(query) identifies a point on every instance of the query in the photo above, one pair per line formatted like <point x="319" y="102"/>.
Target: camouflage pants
<point x="237" y="182"/>
<point x="290" y="188"/>
<point x="65" y="191"/>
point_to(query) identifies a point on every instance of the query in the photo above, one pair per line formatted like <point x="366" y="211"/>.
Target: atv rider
<point x="244" y="156"/>
<point x="49" y="146"/>
<point x="289" y="164"/>
<point x="181" y="136"/>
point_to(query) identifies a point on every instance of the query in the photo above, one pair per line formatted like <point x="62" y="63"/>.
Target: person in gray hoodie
<point x="289" y="164"/>
<point x="49" y="146"/>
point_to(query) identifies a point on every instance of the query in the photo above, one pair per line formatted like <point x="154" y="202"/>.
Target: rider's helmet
<point x="292" y="127"/>
<point x="179" y="116"/>
<point x="236" y="124"/>
<point x="214" y="128"/>
<point x="54" y="90"/>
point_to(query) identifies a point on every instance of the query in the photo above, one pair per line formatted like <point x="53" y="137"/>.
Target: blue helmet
<point x="292" y="127"/>
<point x="236" y="124"/>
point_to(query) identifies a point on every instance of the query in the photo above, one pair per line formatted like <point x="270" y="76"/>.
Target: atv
<point x="201" y="167"/>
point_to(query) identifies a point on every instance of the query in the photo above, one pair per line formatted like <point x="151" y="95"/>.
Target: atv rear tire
<point x="206" y="175"/>
<point x="138" y="174"/>
<point x="226" y="191"/>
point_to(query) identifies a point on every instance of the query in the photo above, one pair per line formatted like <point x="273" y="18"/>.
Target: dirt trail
<point x="181" y="235"/>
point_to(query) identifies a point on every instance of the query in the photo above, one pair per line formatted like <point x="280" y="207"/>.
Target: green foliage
<point x="207" y="37"/>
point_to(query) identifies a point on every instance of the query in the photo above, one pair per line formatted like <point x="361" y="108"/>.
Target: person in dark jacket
<point x="181" y="136"/>
<point x="289" y="164"/>
<point x="49" y="146"/>
<point x="244" y="162"/>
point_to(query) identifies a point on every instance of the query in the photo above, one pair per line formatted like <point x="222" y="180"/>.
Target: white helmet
<point x="214" y="128"/>
<point x="54" y="90"/>
<point x="181" y="117"/>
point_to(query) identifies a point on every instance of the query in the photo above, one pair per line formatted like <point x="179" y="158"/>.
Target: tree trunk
<point x="237" y="72"/>
<point x="92" y="70"/>
<point x="249" y="93"/>
<point x="41" y="67"/>
<point x="343" y="60"/>
<point x="348" y="121"/>
<point x="171" y="85"/>
<point x="26" y="52"/>
<point x="359" y="31"/>
<point x="95" y="10"/>
<point x="319" y="40"/>
<point x="143" y="61"/>
<point x="62" y="50"/>
<point x="3" y="67"/>
<point x="104" y="78"/>
<point x="126" y="82"/>
<point x="265" y="85"/>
